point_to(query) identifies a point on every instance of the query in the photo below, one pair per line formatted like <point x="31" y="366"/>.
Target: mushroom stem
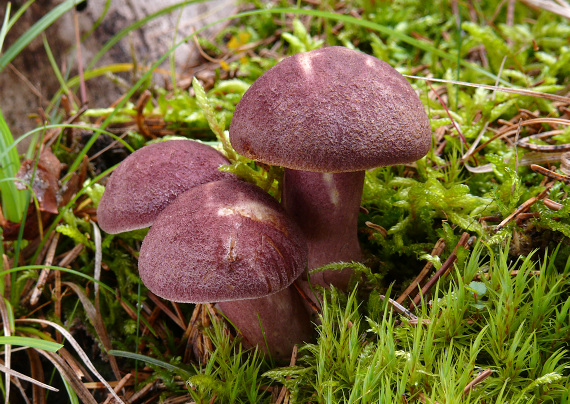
<point x="274" y="323"/>
<point x="325" y="206"/>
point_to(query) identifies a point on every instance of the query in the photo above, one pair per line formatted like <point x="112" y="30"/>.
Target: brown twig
<point x="523" y="207"/>
<point x="400" y="309"/>
<point x="37" y="291"/>
<point x="482" y="376"/>
<point x="118" y="387"/>
<point x="437" y="250"/>
<point x="465" y="241"/>
<point x="550" y="204"/>
<point x="166" y="310"/>
<point x="284" y="391"/>
<point x="139" y="119"/>
<point x="139" y="394"/>
<point x="515" y="272"/>
<point x="306" y="299"/>
<point x="450" y="117"/>
<point x="550" y="174"/>
<point x="377" y="227"/>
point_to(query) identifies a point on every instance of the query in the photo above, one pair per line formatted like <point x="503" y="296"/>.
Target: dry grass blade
<point x="5" y="267"/>
<point x="482" y="376"/>
<point x="527" y="160"/>
<point x="97" y="322"/>
<point x="459" y="133"/>
<point x="524" y="206"/>
<point x="557" y="7"/>
<point x="284" y="393"/>
<point x="119" y="386"/>
<point x="26" y="378"/>
<point x="400" y="309"/>
<point x="37" y="291"/>
<point x="74" y="364"/>
<point x="508" y="131"/>
<point x="82" y="87"/>
<point x="465" y="242"/>
<point x="77" y="348"/>
<point x="166" y="310"/>
<point x="8" y="331"/>
<point x="437" y="251"/>
<point x="37" y="373"/>
<point x="98" y="260"/>
<point x="519" y="91"/>
<point x="67" y="373"/>
<point x="17" y="383"/>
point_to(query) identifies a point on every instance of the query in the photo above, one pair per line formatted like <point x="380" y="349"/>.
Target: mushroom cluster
<point x="213" y="238"/>
<point x="327" y="116"/>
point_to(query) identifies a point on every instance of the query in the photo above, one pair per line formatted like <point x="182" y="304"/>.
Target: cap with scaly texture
<point x="222" y="241"/>
<point x="151" y="178"/>
<point x="331" y="110"/>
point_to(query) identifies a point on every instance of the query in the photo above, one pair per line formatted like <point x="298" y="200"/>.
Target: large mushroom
<point x="327" y="116"/>
<point x="230" y="242"/>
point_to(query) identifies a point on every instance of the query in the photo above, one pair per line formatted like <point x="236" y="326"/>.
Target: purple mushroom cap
<point x="151" y="178"/>
<point x="331" y="110"/>
<point x="222" y="241"/>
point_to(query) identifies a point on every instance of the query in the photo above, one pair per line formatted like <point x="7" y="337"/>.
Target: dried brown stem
<point x="36" y="292"/>
<point x="512" y="273"/>
<point x="141" y="103"/>
<point x="465" y="241"/>
<point x="437" y="250"/>
<point x="550" y="174"/>
<point x="284" y="392"/>
<point x="160" y="305"/>
<point x="524" y="207"/>
<point x="482" y="376"/>
<point x="118" y="387"/>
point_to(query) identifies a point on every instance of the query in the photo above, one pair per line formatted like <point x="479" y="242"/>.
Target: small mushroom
<point x="327" y="116"/>
<point x="151" y="178"/>
<point x="230" y="242"/>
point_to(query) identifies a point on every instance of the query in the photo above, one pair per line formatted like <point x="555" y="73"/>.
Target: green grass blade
<point x="152" y="361"/>
<point x="55" y="67"/>
<point x="31" y="343"/>
<point x="21" y="10"/>
<point x="13" y="199"/>
<point x="73" y="399"/>
<point x="39" y="27"/>
<point x="5" y="25"/>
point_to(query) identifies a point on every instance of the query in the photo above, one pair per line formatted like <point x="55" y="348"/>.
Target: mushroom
<point x="151" y="178"/>
<point x="229" y="242"/>
<point x="327" y="116"/>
